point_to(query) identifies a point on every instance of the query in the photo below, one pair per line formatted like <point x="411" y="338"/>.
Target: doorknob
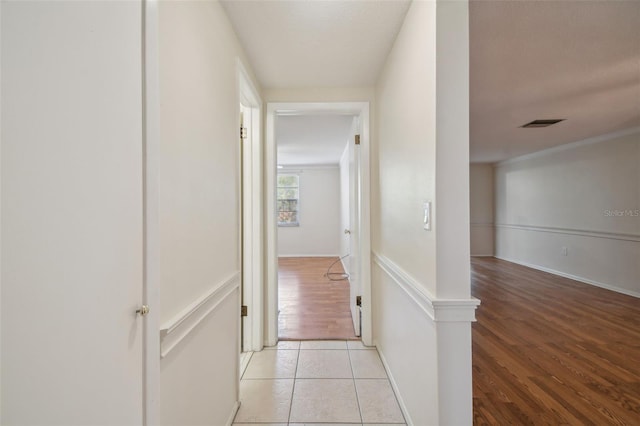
<point x="347" y="231"/>
<point x="144" y="310"/>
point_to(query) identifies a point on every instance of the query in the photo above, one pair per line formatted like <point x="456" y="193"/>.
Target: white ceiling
<point x="312" y="139"/>
<point x="535" y="59"/>
<point x="293" y="44"/>
<point x="578" y="60"/>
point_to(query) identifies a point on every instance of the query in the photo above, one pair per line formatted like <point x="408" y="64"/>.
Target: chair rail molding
<point x="571" y="231"/>
<point x="174" y="331"/>
<point x="439" y="310"/>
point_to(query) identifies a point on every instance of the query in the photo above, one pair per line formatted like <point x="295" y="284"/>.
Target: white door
<point x="72" y="213"/>
<point x="354" y="259"/>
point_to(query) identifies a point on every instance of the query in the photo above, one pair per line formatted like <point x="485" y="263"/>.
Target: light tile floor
<point x="317" y="382"/>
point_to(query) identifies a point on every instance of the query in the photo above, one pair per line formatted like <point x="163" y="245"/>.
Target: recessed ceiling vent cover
<point x="542" y="123"/>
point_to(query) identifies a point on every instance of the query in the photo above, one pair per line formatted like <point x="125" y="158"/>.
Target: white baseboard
<point x="482" y="255"/>
<point x="572" y="277"/>
<point x="234" y="411"/>
<point x="394" y="386"/>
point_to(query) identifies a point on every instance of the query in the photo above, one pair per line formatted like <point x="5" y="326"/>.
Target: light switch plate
<point x="427" y="215"/>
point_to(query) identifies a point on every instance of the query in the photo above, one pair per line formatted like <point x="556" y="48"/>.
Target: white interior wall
<point x="584" y="197"/>
<point x="405" y="100"/>
<point x="187" y="398"/>
<point x="422" y="155"/>
<point x="199" y="216"/>
<point x="481" y="188"/>
<point x="319" y="215"/>
<point x="410" y="356"/>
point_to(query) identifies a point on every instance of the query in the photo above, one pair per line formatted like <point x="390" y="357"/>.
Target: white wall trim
<point x="482" y="225"/>
<point x="175" y="330"/>
<point x="439" y="310"/>
<point x="407" y="283"/>
<point x="232" y="415"/>
<point x="570" y="231"/>
<point x="151" y="170"/>
<point x="289" y="168"/>
<point x="572" y="277"/>
<point x="308" y="255"/>
<point x="571" y="145"/>
<point x="251" y="210"/>
<point x="396" y="389"/>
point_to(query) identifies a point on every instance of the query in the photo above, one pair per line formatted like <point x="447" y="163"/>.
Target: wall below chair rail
<point x="574" y="211"/>
<point x="406" y="339"/>
<point x="481" y="204"/>
<point x="198" y="383"/>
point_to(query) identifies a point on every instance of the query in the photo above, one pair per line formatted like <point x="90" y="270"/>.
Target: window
<point x="288" y="200"/>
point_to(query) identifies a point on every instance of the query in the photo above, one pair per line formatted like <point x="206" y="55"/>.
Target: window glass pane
<point x="287" y="195"/>
<point x="287" y="217"/>
<point x="287" y="180"/>
<point x="287" y="205"/>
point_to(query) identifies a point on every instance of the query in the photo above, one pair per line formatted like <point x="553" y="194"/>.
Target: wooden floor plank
<point x="311" y="305"/>
<point x="549" y="350"/>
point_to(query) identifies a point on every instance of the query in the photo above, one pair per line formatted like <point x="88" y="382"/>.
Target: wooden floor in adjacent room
<point x="312" y="306"/>
<point x="549" y="350"/>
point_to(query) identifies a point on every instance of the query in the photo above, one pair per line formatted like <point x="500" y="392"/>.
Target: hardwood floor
<point x="549" y="350"/>
<point x="312" y="306"/>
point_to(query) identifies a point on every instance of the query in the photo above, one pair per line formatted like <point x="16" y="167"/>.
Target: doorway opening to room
<point x="318" y="187"/>
<point x="312" y="192"/>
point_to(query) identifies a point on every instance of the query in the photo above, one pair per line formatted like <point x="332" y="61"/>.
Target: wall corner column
<point x="454" y="317"/>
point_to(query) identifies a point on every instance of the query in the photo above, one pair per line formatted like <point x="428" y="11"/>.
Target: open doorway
<point x="312" y="192"/>
<point x="323" y="269"/>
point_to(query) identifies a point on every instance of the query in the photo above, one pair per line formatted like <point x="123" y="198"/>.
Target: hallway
<point x="311" y="382"/>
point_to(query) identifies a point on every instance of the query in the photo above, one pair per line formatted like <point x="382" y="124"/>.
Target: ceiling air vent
<point x="542" y="123"/>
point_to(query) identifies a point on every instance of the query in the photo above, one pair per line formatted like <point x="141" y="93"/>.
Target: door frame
<point x="151" y="210"/>
<point x="274" y="109"/>
<point x="251" y="216"/>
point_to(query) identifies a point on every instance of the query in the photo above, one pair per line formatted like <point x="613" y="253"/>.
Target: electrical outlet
<point x="565" y="251"/>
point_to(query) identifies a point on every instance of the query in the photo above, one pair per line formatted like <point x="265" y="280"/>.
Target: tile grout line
<point x="293" y="389"/>
<point x="355" y="388"/>
<point x="246" y="367"/>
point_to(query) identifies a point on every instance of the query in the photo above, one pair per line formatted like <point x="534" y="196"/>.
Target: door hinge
<point x="244" y="311"/>
<point x="243" y="132"/>
<point x="358" y="300"/>
<point x="357" y="139"/>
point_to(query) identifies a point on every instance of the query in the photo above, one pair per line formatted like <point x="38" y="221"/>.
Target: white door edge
<point x="151" y="158"/>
